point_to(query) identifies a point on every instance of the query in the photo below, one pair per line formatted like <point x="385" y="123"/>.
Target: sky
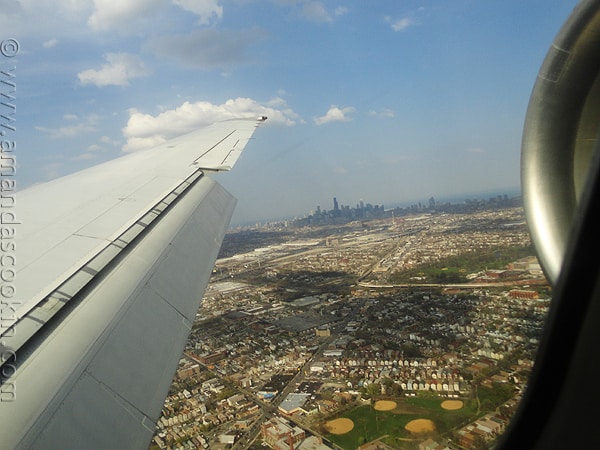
<point x="386" y="101"/>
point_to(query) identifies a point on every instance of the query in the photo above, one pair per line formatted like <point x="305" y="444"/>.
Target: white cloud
<point x="145" y="130"/>
<point x="140" y="143"/>
<point x="109" y="141"/>
<point x="400" y="24"/>
<point x="84" y="157"/>
<point x="116" y="14"/>
<point x="69" y="131"/>
<point x="335" y="114"/>
<point x="316" y="12"/>
<point x="40" y="19"/>
<point x="340" y="11"/>
<point x="205" y="9"/>
<point x="73" y="6"/>
<point x="50" y="43"/>
<point x="120" y="69"/>
<point x="383" y="114"/>
<point x="277" y="102"/>
<point x="95" y="148"/>
<point x="207" y="49"/>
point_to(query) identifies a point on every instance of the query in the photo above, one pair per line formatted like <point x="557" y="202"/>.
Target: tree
<point x="487" y="405"/>
<point x="479" y="443"/>
<point x="373" y="391"/>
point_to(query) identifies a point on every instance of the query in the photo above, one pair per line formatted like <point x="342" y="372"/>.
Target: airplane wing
<point x="101" y="275"/>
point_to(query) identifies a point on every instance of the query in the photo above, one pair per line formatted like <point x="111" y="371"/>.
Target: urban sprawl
<point x="363" y="327"/>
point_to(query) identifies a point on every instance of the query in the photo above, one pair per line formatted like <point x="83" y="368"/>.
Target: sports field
<point x="452" y="405"/>
<point x="420" y="426"/>
<point x="385" y="405"/>
<point x="339" y="426"/>
<point x="401" y="420"/>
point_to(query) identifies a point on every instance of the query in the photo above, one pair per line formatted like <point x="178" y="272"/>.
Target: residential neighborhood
<point x="320" y="323"/>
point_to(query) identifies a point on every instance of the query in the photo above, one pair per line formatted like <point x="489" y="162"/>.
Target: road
<point x="269" y="410"/>
<point x="455" y="285"/>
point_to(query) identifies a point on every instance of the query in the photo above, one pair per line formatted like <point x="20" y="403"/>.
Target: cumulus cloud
<point x="115" y="14"/>
<point x="209" y="48"/>
<point x="120" y="68"/>
<point x="335" y="114"/>
<point x="145" y="130"/>
<point x="400" y="24"/>
<point x="206" y="10"/>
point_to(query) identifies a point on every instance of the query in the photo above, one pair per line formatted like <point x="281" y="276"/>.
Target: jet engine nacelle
<point x="561" y="134"/>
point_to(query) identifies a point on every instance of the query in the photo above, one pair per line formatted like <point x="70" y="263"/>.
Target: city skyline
<point x="327" y="206"/>
<point x="393" y="102"/>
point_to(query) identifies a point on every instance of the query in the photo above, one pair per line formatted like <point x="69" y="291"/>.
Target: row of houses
<point x="486" y="429"/>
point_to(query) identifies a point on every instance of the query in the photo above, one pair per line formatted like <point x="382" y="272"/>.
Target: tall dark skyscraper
<point x="432" y="203"/>
<point x="336" y="207"/>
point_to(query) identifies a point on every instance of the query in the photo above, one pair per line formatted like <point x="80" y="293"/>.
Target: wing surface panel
<point x="112" y="265"/>
<point x="66" y="222"/>
<point x="117" y="350"/>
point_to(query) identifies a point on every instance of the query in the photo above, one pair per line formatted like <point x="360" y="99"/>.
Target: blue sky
<point x="386" y="101"/>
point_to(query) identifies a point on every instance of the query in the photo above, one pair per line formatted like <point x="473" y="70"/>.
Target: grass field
<point x="443" y="418"/>
<point x="370" y="424"/>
